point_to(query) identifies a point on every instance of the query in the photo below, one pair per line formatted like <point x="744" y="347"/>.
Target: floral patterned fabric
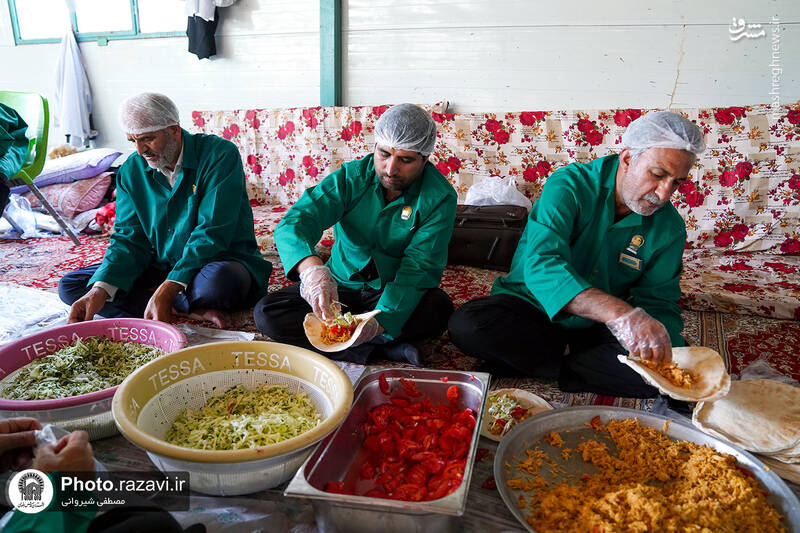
<point x="746" y="283"/>
<point x="266" y="217"/>
<point x="284" y="151"/>
<point x="744" y="191"/>
<point x="744" y="194"/>
<point x="741" y="204"/>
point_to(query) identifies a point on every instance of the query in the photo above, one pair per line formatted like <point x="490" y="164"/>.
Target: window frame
<point x="102" y="38"/>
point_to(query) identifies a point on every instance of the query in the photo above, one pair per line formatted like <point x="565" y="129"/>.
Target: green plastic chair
<point x="33" y="109"/>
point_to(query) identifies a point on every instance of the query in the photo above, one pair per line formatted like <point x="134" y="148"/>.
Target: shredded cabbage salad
<point x="244" y="418"/>
<point x="89" y="365"/>
<point x="502" y="409"/>
<point x="346" y="319"/>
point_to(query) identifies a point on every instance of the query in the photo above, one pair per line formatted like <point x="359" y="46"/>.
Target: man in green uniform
<point x="13" y="149"/>
<point x="597" y="269"/>
<point x="392" y="213"/>
<point x="183" y="234"/>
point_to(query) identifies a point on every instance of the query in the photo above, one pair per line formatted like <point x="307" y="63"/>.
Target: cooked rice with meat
<point x="651" y="483"/>
<point x="677" y="376"/>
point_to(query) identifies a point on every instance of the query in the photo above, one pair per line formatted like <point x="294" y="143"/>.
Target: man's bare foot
<point x="221" y="319"/>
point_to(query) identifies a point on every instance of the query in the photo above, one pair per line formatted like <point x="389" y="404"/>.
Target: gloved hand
<point x="319" y="289"/>
<point x="369" y="331"/>
<point x="642" y="335"/>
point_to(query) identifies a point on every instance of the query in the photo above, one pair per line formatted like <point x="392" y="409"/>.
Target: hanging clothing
<point x="205" y="9"/>
<point x="201" y="36"/>
<point x="72" y="98"/>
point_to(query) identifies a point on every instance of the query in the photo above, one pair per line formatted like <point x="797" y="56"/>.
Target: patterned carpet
<point x="741" y="339"/>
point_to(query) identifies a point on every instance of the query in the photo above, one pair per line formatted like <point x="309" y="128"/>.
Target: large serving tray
<point x="336" y="455"/>
<point x="571" y="424"/>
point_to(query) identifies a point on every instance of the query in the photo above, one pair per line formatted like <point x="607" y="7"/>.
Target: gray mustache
<point x="653" y="198"/>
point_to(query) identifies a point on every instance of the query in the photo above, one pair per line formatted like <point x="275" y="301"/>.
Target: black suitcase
<point x="486" y="236"/>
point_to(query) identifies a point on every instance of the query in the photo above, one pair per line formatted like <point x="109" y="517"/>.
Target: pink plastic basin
<point x="23" y="351"/>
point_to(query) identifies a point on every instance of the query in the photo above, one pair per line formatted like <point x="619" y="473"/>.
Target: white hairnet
<point x="406" y="127"/>
<point x="147" y="112"/>
<point x="663" y="129"/>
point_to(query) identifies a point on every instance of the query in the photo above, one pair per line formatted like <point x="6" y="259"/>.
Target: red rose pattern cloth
<point x="743" y="196"/>
<point x="284" y="151"/>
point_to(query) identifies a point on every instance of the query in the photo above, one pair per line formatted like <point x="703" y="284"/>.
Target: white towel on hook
<point x="72" y="97"/>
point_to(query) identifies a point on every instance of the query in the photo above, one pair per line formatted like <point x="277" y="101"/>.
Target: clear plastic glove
<point x="319" y="289"/>
<point x="642" y="335"/>
<point x="368" y="331"/>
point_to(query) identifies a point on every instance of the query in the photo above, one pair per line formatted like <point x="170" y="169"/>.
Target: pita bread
<point x="760" y="415"/>
<point x="789" y="472"/>
<point x="713" y="381"/>
<point x="527" y="400"/>
<point x="784" y="458"/>
<point x="313" y="329"/>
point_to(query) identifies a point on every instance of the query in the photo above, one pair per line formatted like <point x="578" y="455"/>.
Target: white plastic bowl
<point x="149" y="400"/>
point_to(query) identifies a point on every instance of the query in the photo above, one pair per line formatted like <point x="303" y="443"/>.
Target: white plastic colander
<point x="150" y="399"/>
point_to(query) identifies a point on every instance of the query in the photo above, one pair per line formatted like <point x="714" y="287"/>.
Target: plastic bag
<point x="761" y="369"/>
<point x="27" y="310"/>
<point x="32" y="224"/>
<point x="19" y="210"/>
<point x="496" y="191"/>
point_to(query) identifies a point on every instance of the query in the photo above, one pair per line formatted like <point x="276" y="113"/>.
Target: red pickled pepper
<point x="413" y="450"/>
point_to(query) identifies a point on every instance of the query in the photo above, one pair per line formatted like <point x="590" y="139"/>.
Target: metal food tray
<point x="335" y="457"/>
<point x="571" y="422"/>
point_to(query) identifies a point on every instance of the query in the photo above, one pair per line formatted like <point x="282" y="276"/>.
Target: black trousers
<point x="4" y="193"/>
<point x="508" y="330"/>
<point x="221" y="285"/>
<point x="280" y="315"/>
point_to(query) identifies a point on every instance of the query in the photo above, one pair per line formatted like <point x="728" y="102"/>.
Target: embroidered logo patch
<point x="405" y="214"/>
<point x="629" y="261"/>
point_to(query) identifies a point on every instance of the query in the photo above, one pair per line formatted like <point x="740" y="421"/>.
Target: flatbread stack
<point x="761" y="416"/>
<point x="712" y="381"/>
<point x="313" y="330"/>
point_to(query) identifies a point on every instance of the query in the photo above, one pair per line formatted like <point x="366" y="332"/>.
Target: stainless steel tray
<point x="528" y="433"/>
<point x="337" y="453"/>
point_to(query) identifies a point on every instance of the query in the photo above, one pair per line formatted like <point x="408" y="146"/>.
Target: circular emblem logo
<point x="30" y="491"/>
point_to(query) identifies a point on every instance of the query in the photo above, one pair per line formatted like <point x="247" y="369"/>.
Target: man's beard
<point x="649" y="197"/>
<point x="166" y="158"/>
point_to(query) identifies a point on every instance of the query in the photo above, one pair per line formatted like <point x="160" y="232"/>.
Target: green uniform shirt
<point x="204" y="217"/>
<point x="407" y="238"/>
<point x="13" y="142"/>
<point x="571" y="243"/>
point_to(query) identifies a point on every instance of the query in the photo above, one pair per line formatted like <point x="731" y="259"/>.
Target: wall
<point x="481" y="55"/>
<point x="268" y="55"/>
<point x="528" y="54"/>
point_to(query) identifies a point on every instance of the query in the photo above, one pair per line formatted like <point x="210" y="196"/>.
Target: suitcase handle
<point x="462" y="221"/>
<point x="492" y="248"/>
